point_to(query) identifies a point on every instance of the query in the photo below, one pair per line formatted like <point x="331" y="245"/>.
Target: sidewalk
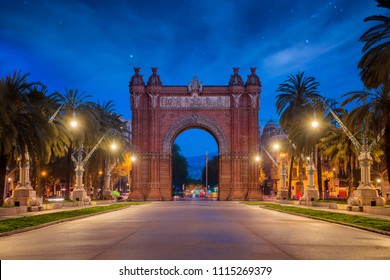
<point x="4" y="215"/>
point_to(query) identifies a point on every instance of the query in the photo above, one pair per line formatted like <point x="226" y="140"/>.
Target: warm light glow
<point x="114" y="146"/>
<point x="43" y="173"/>
<point x="276" y="147"/>
<point x="314" y="124"/>
<point x="257" y="158"/>
<point x="283" y="155"/>
<point x="378" y="180"/>
<point x="100" y="172"/>
<point x="73" y="123"/>
<point x="132" y="158"/>
<point x="9" y="179"/>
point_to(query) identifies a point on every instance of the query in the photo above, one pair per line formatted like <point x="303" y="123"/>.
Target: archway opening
<point x="195" y="165"/>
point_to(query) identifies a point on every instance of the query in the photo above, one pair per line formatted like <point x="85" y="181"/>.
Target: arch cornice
<point x="195" y="121"/>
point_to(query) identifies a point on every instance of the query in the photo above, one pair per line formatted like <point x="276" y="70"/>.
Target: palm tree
<point x="24" y="127"/>
<point x="108" y="120"/>
<point x="375" y="63"/>
<point x="296" y="92"/>
<point x="76" y="107"/>
<point x="292" y="105"/>
<point x="374" y="113"/>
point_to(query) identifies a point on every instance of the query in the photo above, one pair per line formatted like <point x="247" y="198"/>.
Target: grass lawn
<point x="348" y="219"/>
<point x="25" y="222"/>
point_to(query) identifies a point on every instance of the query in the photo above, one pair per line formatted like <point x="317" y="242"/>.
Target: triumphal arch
<point x="160" y="113"/>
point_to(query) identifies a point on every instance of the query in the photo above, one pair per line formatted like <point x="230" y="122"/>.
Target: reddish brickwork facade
<point x="161" y="113"/>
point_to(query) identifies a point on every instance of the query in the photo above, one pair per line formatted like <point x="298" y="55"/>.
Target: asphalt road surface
<point x="186" y="230"/>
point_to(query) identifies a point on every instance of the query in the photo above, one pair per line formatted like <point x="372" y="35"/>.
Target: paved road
<point x="195" y="230"/>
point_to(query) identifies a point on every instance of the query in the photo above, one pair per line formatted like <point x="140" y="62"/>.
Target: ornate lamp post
<point x="311" y="193"/>
<point x="282" y="192"/>
<point x="79" y="193"/>
<point x="365" y="194"/>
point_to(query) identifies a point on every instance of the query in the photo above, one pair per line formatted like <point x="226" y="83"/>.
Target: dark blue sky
<point x="94" y="45"/>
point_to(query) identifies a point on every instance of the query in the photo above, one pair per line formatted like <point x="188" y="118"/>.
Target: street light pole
<point x="311" y="193"/>
<point x="207" y="161"/>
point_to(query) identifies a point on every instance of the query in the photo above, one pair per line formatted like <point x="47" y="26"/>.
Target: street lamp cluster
<point x="365" y="194"/>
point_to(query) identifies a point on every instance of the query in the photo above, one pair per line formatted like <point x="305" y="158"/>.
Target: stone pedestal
<point x="80" y="195"/>
<point x="282" y="195"/>
<point x="310" y="195"/>
<point x="366" y="197"/>
<point x="24" y="196"/>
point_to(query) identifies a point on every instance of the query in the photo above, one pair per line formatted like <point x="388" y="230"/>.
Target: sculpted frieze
<point x="195" y="101"/>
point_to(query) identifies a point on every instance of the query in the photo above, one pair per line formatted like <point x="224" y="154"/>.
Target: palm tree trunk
<point x="36" y="177"/>
<point x="68" y="175"/>
<point x="301" y="187"/>
<point x="387" y="148"/>
<point x="350" y="175"/>
<point x="290" y="174"/>
<point x="319" y="175"/>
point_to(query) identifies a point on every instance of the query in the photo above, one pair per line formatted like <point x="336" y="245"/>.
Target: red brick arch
<point x="160" y="113"/>
<point x="195" y="121"/>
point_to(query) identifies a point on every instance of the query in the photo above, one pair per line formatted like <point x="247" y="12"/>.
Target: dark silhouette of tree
<point x="179" y="167"/>
<point x="375" y="63"/>
<point x="293" y="106"/>
<point x="24" y="128"/>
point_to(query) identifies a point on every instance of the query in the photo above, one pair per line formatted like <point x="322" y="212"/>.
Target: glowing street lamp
<point x="73" y="123"/>
<point x="114" y="146"/>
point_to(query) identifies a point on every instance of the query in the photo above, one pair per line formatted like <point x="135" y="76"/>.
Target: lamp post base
<point x="366" y="197"/>
<point x="24" y="197"/>
<point x="310" y="195"/>
<point x="80" y="195"/>
<point x="282" y="194"/>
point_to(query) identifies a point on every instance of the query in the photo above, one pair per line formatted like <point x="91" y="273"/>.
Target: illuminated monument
<point x="229" y="113"/>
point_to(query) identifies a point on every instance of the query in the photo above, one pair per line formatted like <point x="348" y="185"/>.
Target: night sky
<point x="94" y="45"/>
